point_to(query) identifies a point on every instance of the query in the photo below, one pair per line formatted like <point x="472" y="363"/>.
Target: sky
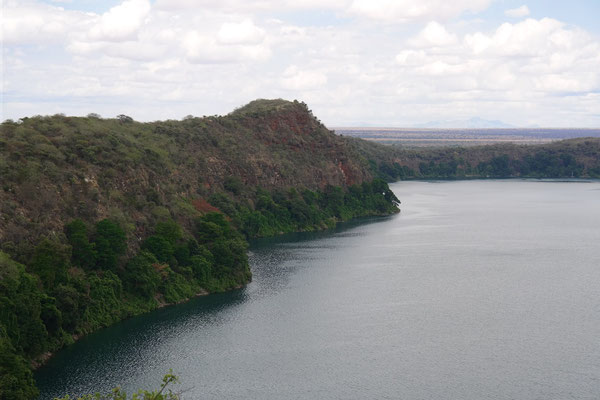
<point x="395" y="63"/>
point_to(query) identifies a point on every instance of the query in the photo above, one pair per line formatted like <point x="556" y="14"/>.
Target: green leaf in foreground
<point x="118" y="394"/>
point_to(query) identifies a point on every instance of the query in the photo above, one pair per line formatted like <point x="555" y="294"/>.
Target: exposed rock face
<point x="293" y="149"/>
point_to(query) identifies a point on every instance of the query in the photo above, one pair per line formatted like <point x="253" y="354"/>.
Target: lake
<point x="477" y="290"/>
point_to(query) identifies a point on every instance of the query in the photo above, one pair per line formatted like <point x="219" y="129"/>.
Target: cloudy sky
<point x="354" y="62"/>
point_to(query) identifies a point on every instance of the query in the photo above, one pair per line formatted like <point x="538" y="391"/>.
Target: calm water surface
<point x="478" y="290"/>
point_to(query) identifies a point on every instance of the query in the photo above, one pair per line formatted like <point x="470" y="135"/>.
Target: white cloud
<point x="514" y="65"/>
<point x="406" y="10"/>
<point x="433" y="35"/>
<point x="34" y="23"/>
<point x="477" y="42"/>
<point x="295" y="78"/>
<point x="382" y="10"/>
<point x="527" y="38"/>
<point x="244" y="32"/>
<point x="167" y="59"/>
<point x="411" y="58"/>
<point x="121" y="22"/>
<point x="518" y="12"/>
<point x="202" y="49"/>
<point x="244" y="6"/>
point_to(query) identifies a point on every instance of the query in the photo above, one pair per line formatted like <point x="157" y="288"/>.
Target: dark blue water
<point x="478" y="290"/>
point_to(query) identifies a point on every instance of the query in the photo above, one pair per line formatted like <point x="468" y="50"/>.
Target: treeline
<point x="541" y="164"/>
<point x="293" y="210"/>
<point x="578" y="158"/>
<point x="85" y="281"/>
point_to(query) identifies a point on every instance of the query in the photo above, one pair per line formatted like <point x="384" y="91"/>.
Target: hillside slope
<point x="59" y="168"/>
<point x="102" y="219"/>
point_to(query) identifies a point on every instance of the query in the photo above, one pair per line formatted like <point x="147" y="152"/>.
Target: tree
<point x="169" y="230"/>
<point x="159" y="246"/>
<point x="124" y="119"/>
<point x="233" y="184"/>
<point x="16" y="378"/>
<point x="20" y="308"/>
<point x="50" y="262"/>
<point x="140" y="277"/>
<point x="83" y="253"/>
<point x="110" y="241"/>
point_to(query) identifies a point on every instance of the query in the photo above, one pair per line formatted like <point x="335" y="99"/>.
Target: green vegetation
<point x="306" y="210"/>
<point x="56" y="169"/>
<point x="87" y="281"/>
<point x="103" y="219"/>
<point x="574" y="158"/>
<point x="118" y="394"/>
<point x="260" y="106"/>
<point x="68" y="295"/>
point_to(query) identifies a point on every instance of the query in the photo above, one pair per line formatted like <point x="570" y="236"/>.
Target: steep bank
<point x="102" y="219"/>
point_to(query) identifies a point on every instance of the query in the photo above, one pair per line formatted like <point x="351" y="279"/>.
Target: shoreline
<point x="43" y="359"/>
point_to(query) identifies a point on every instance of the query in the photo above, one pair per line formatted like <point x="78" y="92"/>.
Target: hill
<point x="59" y="168"/>
<point x="570" y="158"/>
<point x="102" y="219"/>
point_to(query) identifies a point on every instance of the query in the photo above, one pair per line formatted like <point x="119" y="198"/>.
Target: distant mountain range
<point x="472" y="123"/>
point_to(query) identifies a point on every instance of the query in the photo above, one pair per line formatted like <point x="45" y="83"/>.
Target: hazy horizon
<point x="363" y="126"/>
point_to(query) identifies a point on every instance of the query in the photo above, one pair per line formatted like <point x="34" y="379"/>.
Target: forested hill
<point x="58" y="168"/>
<point x="102" y="219"/>
<point x="571" y="158"/>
